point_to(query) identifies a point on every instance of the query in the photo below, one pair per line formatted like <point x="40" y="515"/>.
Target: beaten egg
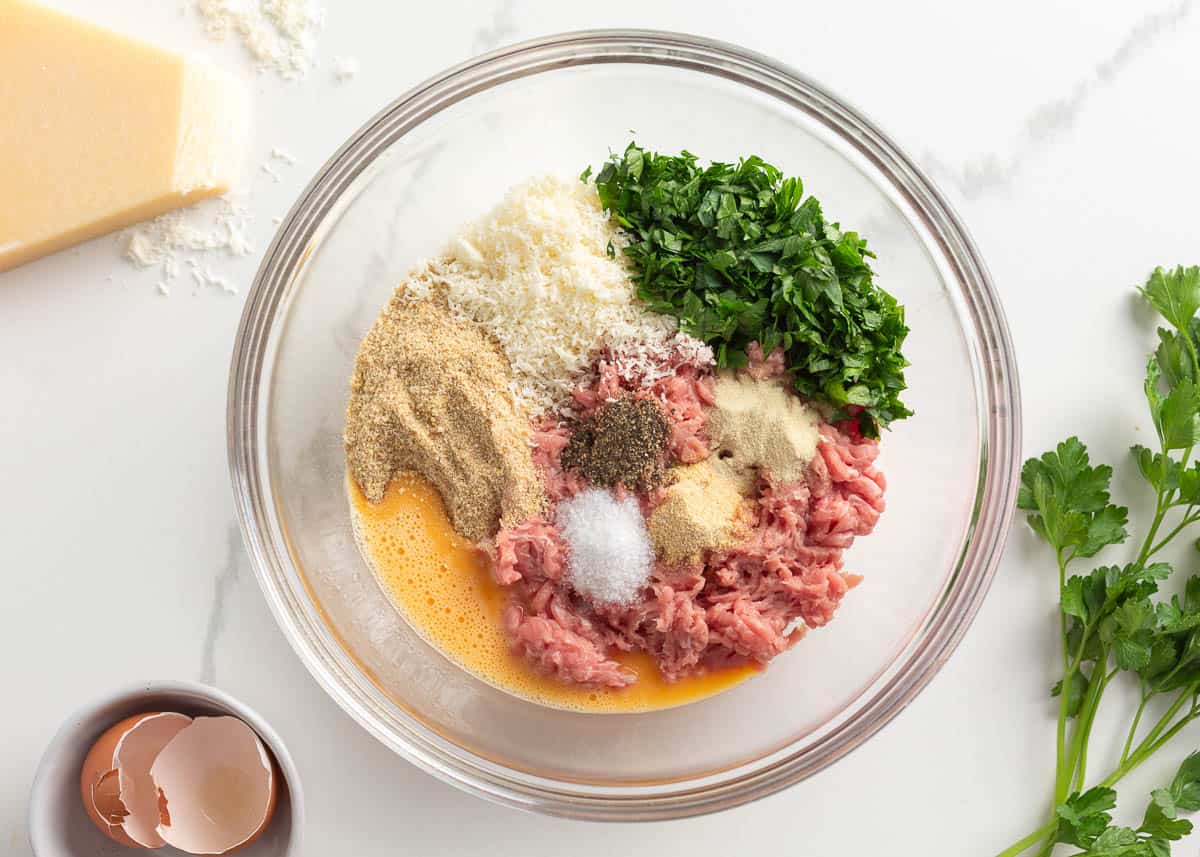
<point x="442" y="586"/>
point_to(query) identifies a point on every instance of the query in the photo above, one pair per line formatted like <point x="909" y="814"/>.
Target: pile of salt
<point x="610" y="552"/>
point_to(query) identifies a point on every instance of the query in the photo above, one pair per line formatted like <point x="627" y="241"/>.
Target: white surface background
<point x="1065" y="133"/>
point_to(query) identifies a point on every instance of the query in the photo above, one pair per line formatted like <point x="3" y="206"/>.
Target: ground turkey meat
<point x="745" y="604"/>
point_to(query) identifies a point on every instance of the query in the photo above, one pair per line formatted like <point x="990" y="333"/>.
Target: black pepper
<point x="624" y="443"/>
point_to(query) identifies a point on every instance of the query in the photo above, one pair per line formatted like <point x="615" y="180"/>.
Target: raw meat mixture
<point x="745" y="604"/>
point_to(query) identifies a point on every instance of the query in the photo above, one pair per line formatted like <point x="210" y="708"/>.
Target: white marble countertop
<point x="1065" y="133"/>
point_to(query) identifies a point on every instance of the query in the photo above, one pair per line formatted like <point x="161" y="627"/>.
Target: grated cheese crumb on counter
<point x="278" y="34"/>
<point x="204" y="276"/>
<point x="536" y="274"/>
<point x="161" y="241"/>
<point x="610" y="553"/>
<point x="276" y="156"/>
<point x="153" y="242"/>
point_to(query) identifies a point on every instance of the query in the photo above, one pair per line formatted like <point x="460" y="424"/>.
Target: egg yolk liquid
<point x="442" y="585"/>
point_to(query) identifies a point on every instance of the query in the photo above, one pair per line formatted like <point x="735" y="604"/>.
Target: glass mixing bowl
<point x="446" y="152"/>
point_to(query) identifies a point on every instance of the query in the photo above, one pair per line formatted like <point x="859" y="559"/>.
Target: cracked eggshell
<point x="118" y="794"/>
<point x="216" y="787"/>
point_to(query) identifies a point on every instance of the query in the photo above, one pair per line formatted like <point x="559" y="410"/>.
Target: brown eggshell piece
<point x="115" y="778"/>
<point x="106" y="799"/>
<point x="135" y="753"/>
<point x="216" y="785"/>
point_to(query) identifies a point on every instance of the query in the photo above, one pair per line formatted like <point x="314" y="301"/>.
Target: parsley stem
<point x="1077" y="760"/>
<point x="1023" y="845"/>
<point x="1147" y="748"/>
<point x="1082" y="648"/>
<point x="1161" y="504"/>
<point x="1137" y="719"/>
<point x="1078" y="736"/>
<point x="1049" y="843"/>
<point x="1159" y="512"/>
<point x="1188" y="520"/>
<point x="1062" y="776"/>
<point x="1083" y="729"/>
<point x="1171" y="733"/>
<point x="1163" y="721"/>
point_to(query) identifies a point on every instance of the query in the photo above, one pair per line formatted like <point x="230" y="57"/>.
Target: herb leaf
<point x="1185" y="788"/>
<point x="1084" y="817"/>
<point x="1175" y="294"/>
<point x="1069" y="499"/>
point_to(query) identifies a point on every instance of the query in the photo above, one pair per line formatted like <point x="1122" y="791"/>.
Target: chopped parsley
<point x="739" y="255"/>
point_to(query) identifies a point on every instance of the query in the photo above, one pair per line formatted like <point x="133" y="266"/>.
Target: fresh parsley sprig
<point x="1111" y="625"/>
<point x="738" y="254"/>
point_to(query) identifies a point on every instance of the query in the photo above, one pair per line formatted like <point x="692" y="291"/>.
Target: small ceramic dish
<point x="58" y="825"/>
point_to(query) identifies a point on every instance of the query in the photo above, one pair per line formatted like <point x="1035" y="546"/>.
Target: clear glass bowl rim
<point x="282" y="583"/>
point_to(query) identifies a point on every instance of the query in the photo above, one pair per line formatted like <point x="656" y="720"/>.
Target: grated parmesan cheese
<point x="278" y="34"/>
<point x="536" y="274"/>
<point x="276" y="155"/>
<point x="159" y="242"/>
<point x="204" y="277"/>
<point x="647" y="362"/>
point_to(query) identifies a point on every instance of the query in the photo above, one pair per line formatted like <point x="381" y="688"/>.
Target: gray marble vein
<point x="499" y="30"/>
<point x="1056" y="117"/>
<point x="223" y="585"/>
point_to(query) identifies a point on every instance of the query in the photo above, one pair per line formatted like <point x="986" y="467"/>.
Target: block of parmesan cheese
<point x="98" y="131"/>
